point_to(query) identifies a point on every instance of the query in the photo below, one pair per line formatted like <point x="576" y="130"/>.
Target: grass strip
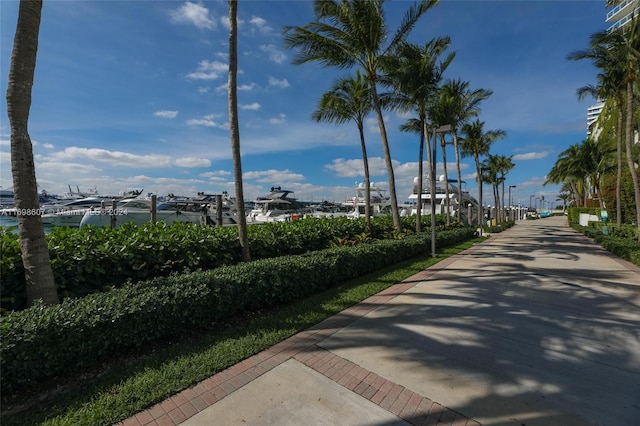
<point x="134" y="383"/>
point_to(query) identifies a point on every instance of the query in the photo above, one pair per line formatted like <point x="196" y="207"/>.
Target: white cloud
<point x="215" y="174"/>
<point x="271" y="176"/>
<point x="5" y="142"/>
<point x="275" y="54"/>
<point x="278" y="83"/>
<point x="48" y="145"/>
<point x="115" y="158"/>
<point x="209" y="70"/>
<point x="355" y="167"/>
<point x="166" y="114"/>
<point x="224" y="20"/>
<point x="69" y="168"/>
<point x="203" y="89"/>
<point x="279" y="120"/>
<point x="241" y="88"/>
<point x="192" y="13"/>
<point x="192" y="162"/>
<point x="260" y="24"/>
<point x="253" y="107"/>
<point x="207" y="122"/>
<point x="531" y="155"/>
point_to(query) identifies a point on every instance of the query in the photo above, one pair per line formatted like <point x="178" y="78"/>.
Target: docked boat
<point x="325" y="209"/>
<point x="70" y="212"/>
<point x="468" y="204"/>
<point x="277" y="206"/>
<point x="379" y="202"/>
<point x="201" y="210"/>
<point x="7" y="200"/>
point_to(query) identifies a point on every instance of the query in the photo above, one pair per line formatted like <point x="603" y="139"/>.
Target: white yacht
<point x="468" y="203"/>
<point x="277" y="206"/>
<point x="379" y="202"/>
<point x="197" y="210"/>
<point x="69" y="213"/>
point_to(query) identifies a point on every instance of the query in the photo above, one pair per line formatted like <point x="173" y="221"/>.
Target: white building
<point x="622" y="14"/>
<point x="592" y="114"/>
<point x="618" y="17"/>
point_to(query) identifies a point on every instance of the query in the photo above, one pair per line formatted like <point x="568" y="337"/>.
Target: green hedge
<point x="621" y="242"/>
<point x="573" y="213"/>
<point x="44" y="341"/>
<point x="90" y="260"/>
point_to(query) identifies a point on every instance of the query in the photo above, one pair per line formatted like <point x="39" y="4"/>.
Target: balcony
<point x="624" y="20"/>
<point x="620" y="10"/>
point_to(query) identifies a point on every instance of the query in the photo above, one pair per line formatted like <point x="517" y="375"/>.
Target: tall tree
<point x="352" y="32"/>
<point x="463" y="106"/>
<point x="582" y="167"/>
<point x="349" y="99"/>
<point x="414" y="72"/>
<point x="35" y="252"/>
<point x="610" y="85"/>
<point x="235" y="130"/>
<point x="505" y="164"/>
<point x="476" y="143"/>
<point x="415" y="125"/>
<point x="492" y="176"/>
<point x="568" y="169"/>
<point x="610" y="51"/>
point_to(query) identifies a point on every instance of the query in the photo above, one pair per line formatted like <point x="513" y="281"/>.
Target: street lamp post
<point x="481" y="202"/>
<point x="432" y="180"/>
<point x="510" y="186"/>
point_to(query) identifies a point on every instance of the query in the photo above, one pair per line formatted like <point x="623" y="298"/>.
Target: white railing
<point x="618" y="8"/>
<point x="624" y="20"/>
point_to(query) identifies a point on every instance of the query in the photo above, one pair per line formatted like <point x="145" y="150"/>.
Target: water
<point x="7" y="221"/>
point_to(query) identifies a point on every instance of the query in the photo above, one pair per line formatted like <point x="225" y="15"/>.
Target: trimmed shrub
<point x="44" y="341"/>
<point x="91" y="260"/>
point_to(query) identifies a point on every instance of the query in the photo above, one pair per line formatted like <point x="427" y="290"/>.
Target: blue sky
<point x="132" y="94"/>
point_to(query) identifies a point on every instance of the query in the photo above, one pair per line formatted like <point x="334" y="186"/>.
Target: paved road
<point x="535" y="326"/>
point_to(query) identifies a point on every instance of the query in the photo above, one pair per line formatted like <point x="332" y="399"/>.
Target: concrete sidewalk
<point x="535" y="326"/>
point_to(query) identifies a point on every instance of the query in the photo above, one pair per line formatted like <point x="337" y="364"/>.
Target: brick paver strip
<point x="408" y="405"/>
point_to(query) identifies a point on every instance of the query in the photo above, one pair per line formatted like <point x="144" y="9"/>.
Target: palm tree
<point x="610" y="51"/>
<point x="464" y="105"/>
<point x="610" y="86"/>
<point x="582" y="166"/>
<point x="492" y="176"/>
<point x="565" y="197"/>
<point x="352" y="32"/>
<point x="476" y="143"/>
<point x="349" y="99"/>
<point x="35" y="252"/>
<point x="414" y="73"/>
<point x="234" y="129"/>
<point x="569" y="170"/>
<point x="415" y="125"/>
<point x="505" y="164"/>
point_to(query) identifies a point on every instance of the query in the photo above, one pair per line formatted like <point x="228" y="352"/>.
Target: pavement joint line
<point x="303" y="348"/>
<point x="395" y="398"/>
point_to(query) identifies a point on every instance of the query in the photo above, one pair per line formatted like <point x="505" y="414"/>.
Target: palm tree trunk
<point x="476" y="157"/>
<point x="367" y="180"/>
<point x="420" y="174"/>
<point x="457" y="150"/>
<point x="34" y="248"/>
<point x="387" y="155"/>
<point x="443" y="144"/>
<point x="496" y="195"/>
<point x="235" y="130"/>
<point x="619" y="170"/>
<point x="628" y="142"/>
<point x="503" y="213"/>
<point x="432" y="184"/>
